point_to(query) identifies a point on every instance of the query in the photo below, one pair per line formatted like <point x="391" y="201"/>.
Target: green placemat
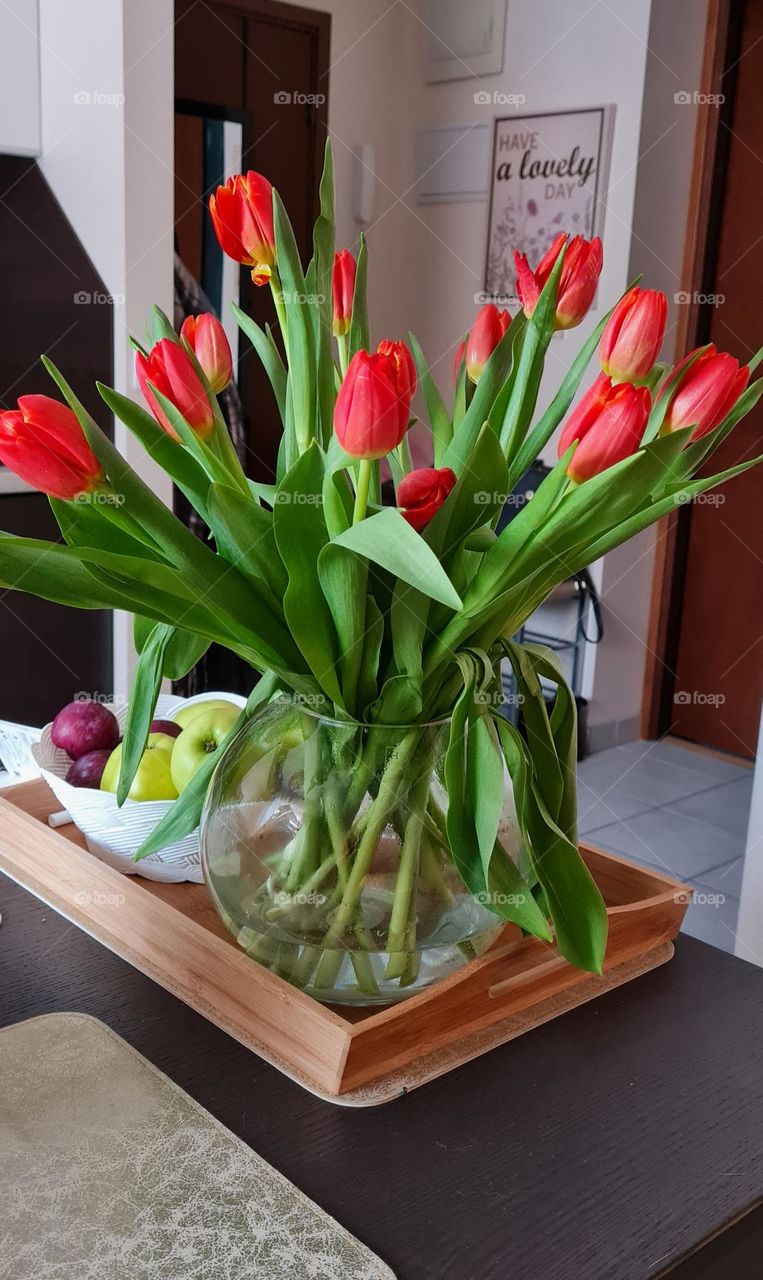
<point x="109" y="1171"/>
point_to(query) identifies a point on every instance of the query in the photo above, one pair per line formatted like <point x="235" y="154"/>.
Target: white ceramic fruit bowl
<point x="114" y="834"/>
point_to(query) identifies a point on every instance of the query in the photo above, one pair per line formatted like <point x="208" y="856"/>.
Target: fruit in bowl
<point x="153" y="780"/>
<point x="170" y="727"/>
<point x="186" y="714"/>
<point x="88" y="770"/>
<point x="83" y="727"/>
<point x="203" y="733"/>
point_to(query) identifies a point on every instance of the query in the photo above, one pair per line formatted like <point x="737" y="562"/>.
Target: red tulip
<point x="169" y="368"/>
<point x="242" y="216"/>
<point x="631" y="341"/>
<point x="483" y="338"/>
<point x="421" y="493"/>
<point x="208" y="341"/>
<point x="404" y="375"/>
<point x="609" y="423"/>
<point x="458" y="357"/>
<point x="42" y="442"/>
<point x="707" y="392"/>
<point x="580" y="275"/>
<point x="370" y="418"/>
<point x="345" y="268"/>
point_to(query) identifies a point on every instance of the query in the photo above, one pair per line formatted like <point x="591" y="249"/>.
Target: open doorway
<point x="251" y="92"/>
<point x="705" y="679"/>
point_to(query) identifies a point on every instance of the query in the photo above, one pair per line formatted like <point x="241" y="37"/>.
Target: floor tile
<point x="719" y="768"/>
<point x="713" y="919"/>
<point x="726" y="806"/>
<point x="726" y="878"/>
<point x="671" y="842"/>
<point x="621" y="772"/>
<point x="594" y="813"/>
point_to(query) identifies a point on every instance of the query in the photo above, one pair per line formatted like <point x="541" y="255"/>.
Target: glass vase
<point x="325" y="850"/>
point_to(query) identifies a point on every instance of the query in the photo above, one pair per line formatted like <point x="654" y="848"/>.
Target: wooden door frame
<point x="318" y="24"/>
<point x="701" y="240"/>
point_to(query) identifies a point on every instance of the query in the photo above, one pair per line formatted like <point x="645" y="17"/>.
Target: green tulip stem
<point x="361" y="493"/>
<point x="401" y="927"/>
<point x="341" y="344"/>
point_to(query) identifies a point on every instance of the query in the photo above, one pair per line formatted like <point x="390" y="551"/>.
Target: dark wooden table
<point x="611" y="1143"/>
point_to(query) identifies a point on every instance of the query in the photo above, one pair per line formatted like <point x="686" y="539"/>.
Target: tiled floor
<point x="677" y="809"/>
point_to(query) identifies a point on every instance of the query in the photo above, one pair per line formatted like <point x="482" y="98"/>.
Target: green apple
<point x="185" y="715"/>
<point x="199" y="739"/>
<point x="153" y="780"/>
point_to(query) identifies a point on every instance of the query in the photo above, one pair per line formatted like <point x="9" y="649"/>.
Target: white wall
<point x="107" y="152"/>
<point x="19" y="79"/>
<point x="665" y="153"/>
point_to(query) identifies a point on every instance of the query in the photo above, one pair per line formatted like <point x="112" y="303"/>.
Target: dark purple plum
<point x="166" y="726"/>
<point x="88" y="770"/>
<point x="83" y="727"/>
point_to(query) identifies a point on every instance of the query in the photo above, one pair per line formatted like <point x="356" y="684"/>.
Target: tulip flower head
<point x="209" y="343"/>
<point x="345" y="268"/>
<point x="42" y="443"/>
<point x="631" y="341"/>
<point x="372" y="409"/>
<point x="458" y="357"/>
<point x="168" y="367"/>
<point x="404" y="374"/>
<point x="609" y="424"/>
<point x="577" y="284"/>
<point x="421" y="493"/>
<point x="483" y="338"/>
<point x="707" y="391"/>
<point x="242" y="216"/>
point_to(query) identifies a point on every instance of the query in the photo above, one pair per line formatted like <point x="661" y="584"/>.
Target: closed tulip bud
<point x="421" y="493"/>
<point x="209" y="343"/>
<point x="168" y="367"/>
<point x="577" y="284"/>
<point x="483" y="338"/>
<point x="631" y="341"/>
<point x="707" y="392"/>
<point x="404" y="376"/>
<point x="43" y="444"/>
<point x="609" y="424"/>
<point x="242" y="216"/>
<point x="458" y="357"/>
<point x="345" y="268"/>
<point x="369" y="419"/>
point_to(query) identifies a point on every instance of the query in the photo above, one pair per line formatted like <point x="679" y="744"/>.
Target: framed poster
<point x="549" y="174"/>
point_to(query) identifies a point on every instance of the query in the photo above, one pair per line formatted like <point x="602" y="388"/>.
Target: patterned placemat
<point x="109" y="1171"/>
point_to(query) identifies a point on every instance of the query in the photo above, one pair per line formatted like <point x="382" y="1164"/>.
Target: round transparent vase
<point x="324" y="848"/>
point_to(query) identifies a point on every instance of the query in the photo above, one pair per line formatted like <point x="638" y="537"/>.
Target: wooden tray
<point x="355" y="1056"/>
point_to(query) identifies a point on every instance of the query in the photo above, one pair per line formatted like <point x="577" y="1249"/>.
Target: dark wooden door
<point x="267" y="64"/>
<point x="719" y="666"/>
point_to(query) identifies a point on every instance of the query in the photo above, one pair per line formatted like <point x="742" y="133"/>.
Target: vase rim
<point x="438" y="723"/>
